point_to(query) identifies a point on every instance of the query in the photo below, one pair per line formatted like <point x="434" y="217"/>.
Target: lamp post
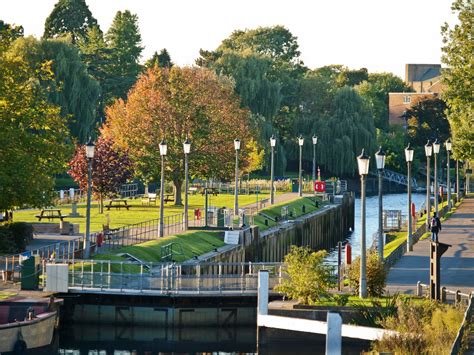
<point x="300" y="180"/>
<point x="363" y="164"/>
<point x="457" y="181"/>
<point x="428" y="152"/>
<point x="380" y="160"/>
<point x="236" y="195"/>
<point x="272" y="176"/>
<point x="90" y="156"/>
<point x="163" y="150"/>
<point x="436" y="146"/>
<point x="315" y="141"/>
<point x="409" y="158"/>
<point x="187" y="149"/>
<point x="449" y="146"/>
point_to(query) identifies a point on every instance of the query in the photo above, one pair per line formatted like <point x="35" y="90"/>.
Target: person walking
<point x="435" y="227"/>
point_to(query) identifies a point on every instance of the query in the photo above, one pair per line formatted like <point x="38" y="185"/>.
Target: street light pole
<point x="272" y="176"/>
<point x="457" y="181"/>
<point x="300" y="186"/>
<point x="448" y="179"/>
<point x="187" y="149"/>
<point x="163" y="150"/>
<point x="363" y="164"/>
<point x="436" y="146"/>
<point x="236" y="194"/>
<point x="409" y="158"/>
<point x="90" y="156"/>
<point x="428" y="152"/>
<point x="380" y="160"/>
<point x="315" y="141"/>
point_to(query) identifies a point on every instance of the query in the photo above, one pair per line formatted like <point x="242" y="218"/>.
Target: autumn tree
<point x="111" y="167"/>
<point x="173" y="104"/>
<point x="32" y="135"/>
<point x="69" y="17"/>
<point x="458" y="77"/>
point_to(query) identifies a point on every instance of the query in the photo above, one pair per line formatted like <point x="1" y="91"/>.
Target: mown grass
<point x="5" y="295"/>
<point x="138" y="212"/>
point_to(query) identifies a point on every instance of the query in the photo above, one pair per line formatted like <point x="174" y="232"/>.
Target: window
<point x="406" y="99"/>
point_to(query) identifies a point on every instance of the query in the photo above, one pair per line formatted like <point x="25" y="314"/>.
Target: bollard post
<point x="334" y="334"/>
<point x="443" y="294"/>
<point x="458" y="296"/>
<point x="262" y="302"/>
<point x="419" y="290"/>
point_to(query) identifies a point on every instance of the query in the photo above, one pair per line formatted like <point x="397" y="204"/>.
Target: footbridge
<point x="395" y="177"/>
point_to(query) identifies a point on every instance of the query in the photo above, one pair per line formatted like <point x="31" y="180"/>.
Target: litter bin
<point x="294" y="185"/>
<point x="30" y="270"/>
<point x="211" y="216"/>
<point x="221" y="217"/>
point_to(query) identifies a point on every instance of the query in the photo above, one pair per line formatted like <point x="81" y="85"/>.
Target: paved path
<point x="457" y="264"/>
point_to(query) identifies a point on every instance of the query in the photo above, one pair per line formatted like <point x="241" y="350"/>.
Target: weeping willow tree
<point x="70" y="87"/>
<point x="344" y="132"/>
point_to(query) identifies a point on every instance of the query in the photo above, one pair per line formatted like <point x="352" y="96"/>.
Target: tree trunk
<point x="101" y="204"/>
<point x="177" y="192"/>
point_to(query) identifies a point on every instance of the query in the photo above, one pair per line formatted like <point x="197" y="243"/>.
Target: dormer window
<point x="406" y="99"/>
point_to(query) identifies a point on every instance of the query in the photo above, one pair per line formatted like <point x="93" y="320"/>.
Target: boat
<point x="27" y="324"/>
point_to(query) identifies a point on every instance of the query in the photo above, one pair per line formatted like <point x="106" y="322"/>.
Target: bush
<point x="309" y="278"/>
<point x="375" y="274"/>
<point x="14" y="237"/>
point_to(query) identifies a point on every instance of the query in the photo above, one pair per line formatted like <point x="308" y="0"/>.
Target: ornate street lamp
<point x="315" y="141"/>
<point x="428" y="152"/>
<point x="236" y="195"/>
<point x="363" y="164"/>
<point x="272" y="176"/>
<point x="90" y="147"/>
<point x="380" y="160"/>
<point x="449" y="146"/>
<point x="300" y="186"/>
<point x="163" y="151"/>
<point x="187" y="150"/>
<point x="436" y="146"/>
<point x="409" y="158"/>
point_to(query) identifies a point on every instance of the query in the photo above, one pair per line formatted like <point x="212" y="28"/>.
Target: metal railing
<point x="457" y="344"/>
<point x="168" y="278"/>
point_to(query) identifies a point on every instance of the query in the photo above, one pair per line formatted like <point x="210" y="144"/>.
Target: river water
<point x="103" y="340"/>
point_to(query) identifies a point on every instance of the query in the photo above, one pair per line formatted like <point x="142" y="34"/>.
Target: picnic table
<point x="116" y="203"/>
<point x="50" y="213"/>
<point x="210" y="190"/>
<point x="168" y="198"/>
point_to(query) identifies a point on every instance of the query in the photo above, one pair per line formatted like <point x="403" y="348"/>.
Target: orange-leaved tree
<point x="173" y="104"/>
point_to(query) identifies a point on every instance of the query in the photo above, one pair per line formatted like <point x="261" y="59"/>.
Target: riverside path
<point x="457" y="263"/>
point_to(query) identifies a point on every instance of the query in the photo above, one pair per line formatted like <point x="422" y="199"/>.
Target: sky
<point x="381" y="35"/>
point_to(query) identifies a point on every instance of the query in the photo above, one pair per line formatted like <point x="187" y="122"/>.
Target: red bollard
<point x="348" y="254"/>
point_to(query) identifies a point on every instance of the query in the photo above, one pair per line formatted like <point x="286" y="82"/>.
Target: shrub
<point x="308" y="278"/>
<point x="7" y="243"/>
<point x="14" y="237"/>
<point x="375" y="274"/>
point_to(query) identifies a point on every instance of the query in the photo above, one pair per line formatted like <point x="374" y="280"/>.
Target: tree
<point x="70" y="87"/>
<point x="32" y="136"/>
<point x="124" y="41"/>
<point x="8" y="33"/>
<point x="163" y="60"/>
<point x="376" y="275"/>
<point x="111" y="167"/>
<point x="69" y="17"/>
<point x="458" y="78"/>
<point x="309" y="278"/>
<point x="173" y="104"/>
<point x="352" y="77"/>
<point x="393" y="142"/>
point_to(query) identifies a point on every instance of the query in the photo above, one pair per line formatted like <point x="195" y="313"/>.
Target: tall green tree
<point x="458" y="78"/>
<point x="69" y="17"/>
<point x="70" y="87"/>
<point x="124" y="41"/>
<point x="32" y="135"/>
<point x="8" y="33"/>
<point x="162" y="59"/>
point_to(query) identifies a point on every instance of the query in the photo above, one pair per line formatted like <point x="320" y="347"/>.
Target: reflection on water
<point x="390" y="202"/>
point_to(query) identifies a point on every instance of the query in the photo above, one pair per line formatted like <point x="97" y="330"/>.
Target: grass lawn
<point x="137" y="212"/>
<point x="5" y="295"/>
<point x="355" y="301"/>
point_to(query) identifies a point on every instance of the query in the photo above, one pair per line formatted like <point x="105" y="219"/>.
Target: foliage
<point x="8" y="33"/>
<point x="425" y="327"/>
<point x="375" y="274"/>
<point x="71" y="88"/>
<point x="173" y="104"/>
<point x="124" y="40"/>
<point x="14" y="237"/>
<point x="393" y="140"/>
<point x="458" y="78"/>
<point x="111" y="167"/>
<point x="309" y="278"/>
<point x="32" y="136"/>
<point x="352" y="77"/>
<point x="163" y="60"/>
<point x="71" y="17"/>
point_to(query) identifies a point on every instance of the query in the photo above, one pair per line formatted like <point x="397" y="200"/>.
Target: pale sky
<point x="381" y="35"/>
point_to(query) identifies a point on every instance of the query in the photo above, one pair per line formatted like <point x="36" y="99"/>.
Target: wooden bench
<point x="193" y="190"/>
<point x="150" y="198"/>
<point x="210" y="190"/>
<point x="117" y="204"/>
<point x="169" y="198"/>
<point x="49" y="214"/>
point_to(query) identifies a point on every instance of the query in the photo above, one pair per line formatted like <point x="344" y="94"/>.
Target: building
<point x="425" y="80"/>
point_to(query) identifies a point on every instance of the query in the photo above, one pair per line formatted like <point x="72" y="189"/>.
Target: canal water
<point x="79" y="339"/>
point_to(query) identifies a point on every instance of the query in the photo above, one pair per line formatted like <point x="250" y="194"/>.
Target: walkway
<point x="457" y="264"/>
